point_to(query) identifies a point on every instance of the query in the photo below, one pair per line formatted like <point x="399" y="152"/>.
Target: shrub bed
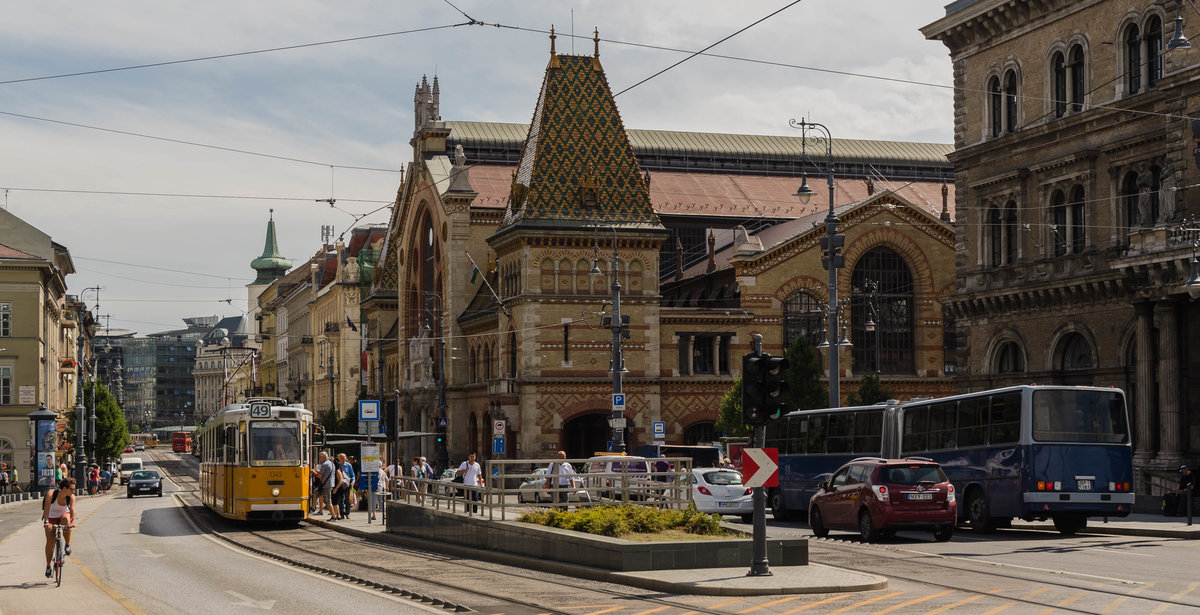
<point x="618" y="521"/>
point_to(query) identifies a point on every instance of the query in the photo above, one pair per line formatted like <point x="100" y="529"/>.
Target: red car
<point x="877" y="497"/>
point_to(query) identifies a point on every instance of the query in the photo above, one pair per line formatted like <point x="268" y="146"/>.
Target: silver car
<point x="532" y="490"/>
<point x="720" y="491"/>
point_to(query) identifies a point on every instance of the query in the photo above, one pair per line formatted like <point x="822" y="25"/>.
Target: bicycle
<point x="59" y="553"/>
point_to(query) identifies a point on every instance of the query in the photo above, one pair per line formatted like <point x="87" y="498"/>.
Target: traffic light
<point x="773" y="387"/>
<point x="441" y="436"/>
<point x="839" y="240"/>
<point x="752" y="389"/>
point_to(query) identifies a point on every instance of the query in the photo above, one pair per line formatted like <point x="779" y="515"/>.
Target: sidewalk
<point x="814" y="578"/>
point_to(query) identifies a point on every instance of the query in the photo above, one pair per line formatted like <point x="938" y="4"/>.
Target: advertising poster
<point x="45" y="470"/>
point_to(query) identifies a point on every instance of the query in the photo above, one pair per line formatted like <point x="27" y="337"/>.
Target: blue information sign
<point x="497" y="446"/>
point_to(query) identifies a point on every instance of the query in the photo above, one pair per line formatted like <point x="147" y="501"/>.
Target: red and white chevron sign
<point x="760" y="467"/>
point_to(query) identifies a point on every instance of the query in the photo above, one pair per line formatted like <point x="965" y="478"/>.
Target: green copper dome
<point x="270" y="266"/>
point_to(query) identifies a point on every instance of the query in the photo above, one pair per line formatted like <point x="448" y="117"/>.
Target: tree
<point x="869" y="392"/>
<point x="730" y="421"/>
<point x="112" y="434"/>
<point x="803" y="376"/>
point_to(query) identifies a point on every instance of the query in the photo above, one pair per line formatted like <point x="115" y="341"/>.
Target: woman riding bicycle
<point x="59" y="507"/>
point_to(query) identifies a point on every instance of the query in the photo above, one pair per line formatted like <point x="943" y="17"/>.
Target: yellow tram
<point x="254" y="460"/>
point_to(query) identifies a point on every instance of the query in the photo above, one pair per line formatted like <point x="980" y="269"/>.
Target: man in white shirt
<point x="564" y="471"/>
<point x="472" y="475"/>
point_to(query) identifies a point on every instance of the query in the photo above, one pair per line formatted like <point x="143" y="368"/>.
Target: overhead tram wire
<point x="191" y="195"/>
<point x="235" y="54"/>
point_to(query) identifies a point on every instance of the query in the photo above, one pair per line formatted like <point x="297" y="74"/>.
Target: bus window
<point x="942" y="426"/>
<point x="1079" y="416"/>
<point x="1006" y="419"/>
<point x="915" y="429"/>
<point x="868" y="432"/>
<point x="841" y="433"/>
<point x="815" y="438"/>
<point x="972" y="422"/>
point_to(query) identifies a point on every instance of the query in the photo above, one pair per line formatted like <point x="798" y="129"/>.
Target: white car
<point x="720" y="491"/>
<point x="531" y="490"/>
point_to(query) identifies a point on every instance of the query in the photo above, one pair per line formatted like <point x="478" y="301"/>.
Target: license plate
<point x="920" y="496"/>
<point x="727" y="504"/>
<point x="1085" y="485"/>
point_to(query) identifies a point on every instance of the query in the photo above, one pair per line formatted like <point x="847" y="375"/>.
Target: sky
<point x="160" y="178"/>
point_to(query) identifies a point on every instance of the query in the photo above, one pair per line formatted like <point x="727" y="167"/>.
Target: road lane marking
<point x="661" y="608"/>
<point x="998" y="609"/>
<point x="865" y="602"/>
<point x="913" y="601"/>
<point x="246" y="601"/>
<point x="1116" y="604"/>
<point x="772" y="603"/>
<point x="610" y="608"/>
<point x="121" y="600"/>
<point x="817" y="603"/>
<point x="1134" y="592"/>
<point x="1072" y="598"/>
<point x="1191" y="587"/>
<point x="955" y="605"/>
<point x="1123" y="552"/>
<point x="1043" y="589"/>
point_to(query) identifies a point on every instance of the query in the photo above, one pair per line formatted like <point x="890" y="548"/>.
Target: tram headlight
<point x="275" y="491"/>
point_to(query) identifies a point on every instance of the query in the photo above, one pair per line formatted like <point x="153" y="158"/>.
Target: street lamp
<point x="871" y="287"/>
<point x="617" y="324"/>
<point x="832" y="244"/>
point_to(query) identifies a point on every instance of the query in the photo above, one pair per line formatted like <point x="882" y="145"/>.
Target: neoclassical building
<point x="1075" y="171"/>
<point x="483" y="290"/>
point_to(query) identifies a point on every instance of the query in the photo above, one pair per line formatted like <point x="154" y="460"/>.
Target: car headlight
<point x="275" y="492"/>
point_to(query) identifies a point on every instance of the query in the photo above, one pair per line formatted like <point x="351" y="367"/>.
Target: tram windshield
<point x="1079" y="416"/>
<point x="275" y="442"/>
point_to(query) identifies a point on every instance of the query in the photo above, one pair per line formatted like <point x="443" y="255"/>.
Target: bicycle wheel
<point x="58" y="560"/>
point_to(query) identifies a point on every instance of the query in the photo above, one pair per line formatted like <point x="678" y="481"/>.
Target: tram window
<point x="916" y="426"/>
<point x="1006" y="419"/>
<point x="275" y="441"/>
<point x="868" y="432"/>
<point x="841" y="433"/>
<point x="972" y="422"/>
<point x="942" y="426"/>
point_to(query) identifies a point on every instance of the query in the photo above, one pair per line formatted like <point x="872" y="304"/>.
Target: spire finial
<point x="272" y="213"/>
<point x="596" y="39"/>
<point x="552" y="37"/>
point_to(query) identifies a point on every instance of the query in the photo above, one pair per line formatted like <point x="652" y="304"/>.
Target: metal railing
<point x="517" y="485"/>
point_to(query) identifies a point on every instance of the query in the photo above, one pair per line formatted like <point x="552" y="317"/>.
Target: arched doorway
<point x="586" y="435"/>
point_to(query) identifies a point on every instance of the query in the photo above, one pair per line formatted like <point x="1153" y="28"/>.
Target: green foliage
<point x="112" y="435"/>
<point x="347" y="422"/>
<point x="806" y="390"/>
<point x="730" y="413"/>
<point x="616" y="521"/>
<point x="869" y="392"/>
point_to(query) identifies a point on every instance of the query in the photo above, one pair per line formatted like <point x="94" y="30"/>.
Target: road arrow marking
<point x="265" y="605"/>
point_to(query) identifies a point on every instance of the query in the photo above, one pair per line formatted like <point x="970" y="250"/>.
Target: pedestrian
<point x="564" y="471"/>
<point x="345" y="501"/>
<point x="93" y="476"/>
<point x="472" y="477"/>
<point x="417" y="471"/>
<point x="381" y="490"/>
<point x="1184" y="493"/>
<point x="327" y="475"/>
<point x="59" y="472"/>
<point x="105" y="480"/>
<point x="662" y="469"/>
<point x="429" y="473"/>
<point x="13" y="481"/>
<point x="726" y="464"/>
<point x="4" y="479"/>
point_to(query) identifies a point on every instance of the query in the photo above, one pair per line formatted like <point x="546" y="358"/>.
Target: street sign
<point x="497" y="428"/>
<point x="618" y="402"/>
<point x="660" y="430"/>
<point x="760" y="467"/>
<point x="497" y="446"/>
<point x="441" y="421"/>
<point x="617" y="423"/>
<point x="368" y="410"/>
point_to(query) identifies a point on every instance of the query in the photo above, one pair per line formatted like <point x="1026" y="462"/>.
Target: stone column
<point x="1143" y="407"/>
<point x="691" y="343"/>
<point x="1171" y="417"/>
<point x="716" y="354"/>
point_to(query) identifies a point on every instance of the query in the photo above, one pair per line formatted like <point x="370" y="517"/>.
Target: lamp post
<point x="443" y="452"/>
<point x="617" y="326"/>
<point x="831" y="244"/>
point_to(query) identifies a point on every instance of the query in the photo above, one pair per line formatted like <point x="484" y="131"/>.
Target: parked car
<point x="877" y="497"/>
<point x="634" y="479"/>
<point x="129" y="448"/>
<point x="720" y="491"/>
<point x="532" y="491"/>
<point x="144" y="481"/>
<point x="139" y="447"/>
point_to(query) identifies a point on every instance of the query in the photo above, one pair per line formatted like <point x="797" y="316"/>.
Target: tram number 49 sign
<point x="760" y="467"/>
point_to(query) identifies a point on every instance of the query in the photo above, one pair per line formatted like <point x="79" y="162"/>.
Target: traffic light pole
<point x="759" y="566"/>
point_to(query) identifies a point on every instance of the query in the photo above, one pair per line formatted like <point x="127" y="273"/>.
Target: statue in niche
<point x="1166" y="194"/>
<point x="1145" y="199"/>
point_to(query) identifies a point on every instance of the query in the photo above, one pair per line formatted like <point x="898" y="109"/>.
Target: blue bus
<point x="1061" y="453"/>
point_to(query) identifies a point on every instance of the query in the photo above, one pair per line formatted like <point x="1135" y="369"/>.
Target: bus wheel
<point x="978" y="514"/>
<point x="1069" y="523"/>
<point x="778" y="509"/>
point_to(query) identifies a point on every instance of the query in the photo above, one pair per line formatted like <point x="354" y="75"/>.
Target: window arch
<point x="997" y="106"/>
<point x="7" y="452"/>
<point x="1058" y="226"/>
<point x="1075" y="353"/>
<point x="1153" y="41"/>
<point x="892" y="341"/>
<point x="1078" y="82"/>
<point x="1059" y="66"/>
<point x="1008" y="359"/>
<point x="1133" y="60"/>
<point x="1010" y="100"/>
<point x="802" y="315"/>
<point x="1077" y="233"/>
<point x="1129" y="197"/>
<point x="700" y="433"/>
<point x="995" y="236"/>
<point x="1010" y="233"/>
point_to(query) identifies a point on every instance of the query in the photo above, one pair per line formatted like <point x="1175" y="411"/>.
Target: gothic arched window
<point x="892" y="342"/>
<point x="802" y="315"/>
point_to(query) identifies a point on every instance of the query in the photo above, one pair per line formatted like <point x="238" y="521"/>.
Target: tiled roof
<point x="734" y="195"/>
<point x="13" y="253"/>
<point x="577" y="163"/>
